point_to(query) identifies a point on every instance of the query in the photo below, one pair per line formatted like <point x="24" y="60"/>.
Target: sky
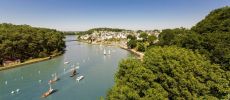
<point x="81" y="15"/>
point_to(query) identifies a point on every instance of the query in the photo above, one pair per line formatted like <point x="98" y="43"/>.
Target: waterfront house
<point x="11" y="62"/>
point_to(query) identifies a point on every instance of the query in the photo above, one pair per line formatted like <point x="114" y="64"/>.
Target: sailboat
<point x="104" y="52"/>
<point x="49" y="92"/>
<point x="74" y="72"/>
<point x="54" y="80"/>
<point x="109" y="52"/>
<point x="66" y="62"/>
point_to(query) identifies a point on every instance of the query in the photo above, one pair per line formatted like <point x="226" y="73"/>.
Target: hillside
<point x="22" y="42"/>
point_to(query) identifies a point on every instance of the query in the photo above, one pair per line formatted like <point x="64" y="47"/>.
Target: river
<point x="98" y="71"/>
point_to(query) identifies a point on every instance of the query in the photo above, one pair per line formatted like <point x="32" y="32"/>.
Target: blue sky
<point x="78" y="15"/>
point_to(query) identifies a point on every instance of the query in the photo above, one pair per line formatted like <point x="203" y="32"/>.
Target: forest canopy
<point x="170" y="73"/>
<point x="211" y="37"/>
<point x="24" y="42"/>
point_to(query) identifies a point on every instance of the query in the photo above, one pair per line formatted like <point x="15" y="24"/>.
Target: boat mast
<point x="50" y="86"/>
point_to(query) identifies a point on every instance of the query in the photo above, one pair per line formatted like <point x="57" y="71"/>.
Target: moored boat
<point x="55" y="79"/>
<point x="74" y="72"/>
<point x="79" y="78"/>
<point x="109" y="52"/>
<point x="66" y="62"/>
<point x="49" y="92"/>
<point x="104" y="52"/>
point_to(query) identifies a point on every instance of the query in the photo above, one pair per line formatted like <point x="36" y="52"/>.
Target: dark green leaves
<point x="24" y="42"/>
<point x="169" y="73"/>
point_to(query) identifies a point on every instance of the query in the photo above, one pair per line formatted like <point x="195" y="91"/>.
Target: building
<point x="11" y="62"/>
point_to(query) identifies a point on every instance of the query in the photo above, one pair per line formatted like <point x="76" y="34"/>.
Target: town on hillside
<point x="99" y="36"/>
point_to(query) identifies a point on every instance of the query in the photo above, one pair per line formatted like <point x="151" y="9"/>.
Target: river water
<point x="98" y="71"/>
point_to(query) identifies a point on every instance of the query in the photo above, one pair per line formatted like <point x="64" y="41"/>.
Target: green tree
<point x="24" y="42"/>
<point x="151" y="39"/>
<point x="215" y="30"/>
<point x="139" y="31"/>
<point x="169" y="36"/>
<point x="170" y="73"/>
<point x="131" y="37"/>
<point x="185" y="74"/>
<point x="132" y="44"/>
<point x="210" y="37"/>
<point x="141" y="46"/>
<point x="216" y="21"/>
<point x="144" y="36"/>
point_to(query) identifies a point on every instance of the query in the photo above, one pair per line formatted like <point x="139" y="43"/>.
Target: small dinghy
<point x="79" y="78"/>
<point x="66" y="62"/>
<point x="18" y="90"/>
<point x="12" y="92"/>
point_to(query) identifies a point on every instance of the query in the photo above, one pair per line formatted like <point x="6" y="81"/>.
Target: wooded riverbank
<point x="31" y="61"/>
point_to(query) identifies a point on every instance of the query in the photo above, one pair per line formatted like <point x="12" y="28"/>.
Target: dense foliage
<point x="70" y="33"/>
<point x="132" y="44"/>
<point x="24" y="42"/>
<point x="144" y="36"/>
<point x="217" y="21"/>
<point x="140" y="45"/>
<point x="210" y="37"/>
<point x="151" y="39"/>
<point x="107" y="29"/>
<point x="170" y="73"/>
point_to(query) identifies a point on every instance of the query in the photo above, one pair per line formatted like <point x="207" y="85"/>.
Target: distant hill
<point x="70" y="32"/>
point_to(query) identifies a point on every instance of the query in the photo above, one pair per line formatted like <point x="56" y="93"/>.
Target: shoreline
<point x="31" y="61"/>
<point x="139" y="54"/>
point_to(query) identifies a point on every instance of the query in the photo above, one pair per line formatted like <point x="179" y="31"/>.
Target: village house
<point x="11" y="62"/>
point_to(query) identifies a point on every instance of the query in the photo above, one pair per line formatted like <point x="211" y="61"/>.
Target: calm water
<point x="98" y="71"/>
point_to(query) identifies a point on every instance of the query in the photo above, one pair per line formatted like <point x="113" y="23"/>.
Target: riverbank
<point x="109" y="43"/>
<point x="31" y="61"/>
<point x="139" y="54"/>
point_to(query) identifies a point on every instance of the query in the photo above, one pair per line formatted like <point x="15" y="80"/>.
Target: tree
<point x="186" y="74"/>
<point x="131" y="37"/>
<point x="24" y="42"/>
<point x="141" y="46"/>
<point x="132" y="44"/>
<point x="170" y="73"/>
<point x="217" y="46"/>
<point x="216" y="21"/>
<point x="210" y="37"/>
<point x="151" y="39"/>
<point x="168" y="36"/>
<point x="144" y="36"/>
<point x="139" y="31"/>
<point x="215" y="30"/>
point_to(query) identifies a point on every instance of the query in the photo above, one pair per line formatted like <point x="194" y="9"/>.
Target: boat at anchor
<point x="79" y="78"/>
<point x="49" y="92"/>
